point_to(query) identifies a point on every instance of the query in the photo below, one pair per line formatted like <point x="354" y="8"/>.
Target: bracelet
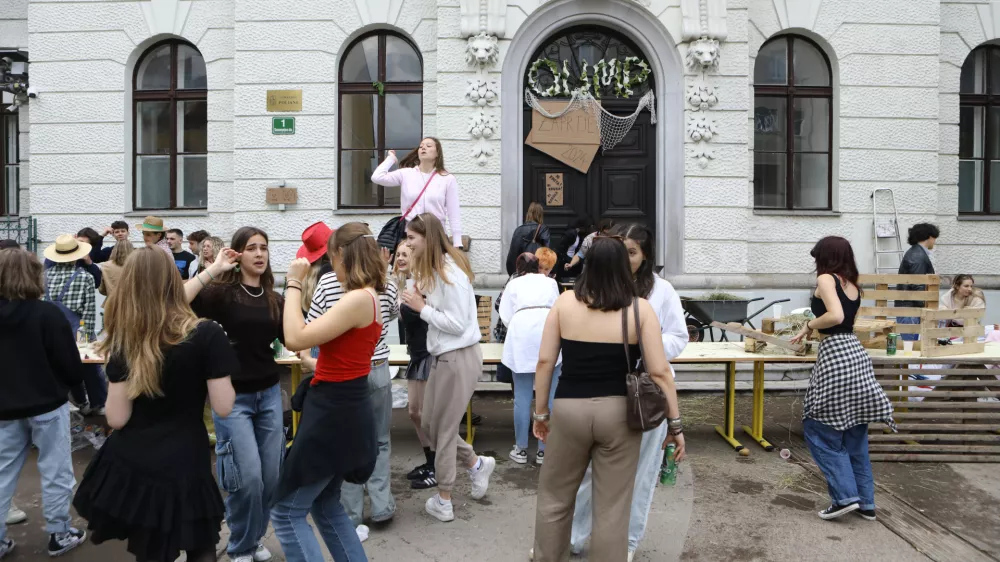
<point x="290" y="287"/>
<point x="203" y="285"/>
<point x="676" y="431"/>
<point x="210" y="276"/>
<point x="674" y="421"/>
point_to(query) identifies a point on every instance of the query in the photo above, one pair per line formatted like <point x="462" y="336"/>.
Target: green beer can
<point x="891" y="343"/>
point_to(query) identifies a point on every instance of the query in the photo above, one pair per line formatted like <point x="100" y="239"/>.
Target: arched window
<point x="979" y="133"/>
<point x="381" y="109"/>
<point x="170" y="128"/>
<point x="793" y="128"/>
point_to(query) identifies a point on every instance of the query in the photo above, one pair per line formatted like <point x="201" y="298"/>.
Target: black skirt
<point x="336" y="436"/>
<point x="131" y="492"/>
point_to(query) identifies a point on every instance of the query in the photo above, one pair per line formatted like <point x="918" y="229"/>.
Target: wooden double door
<point x="620" y="184"/>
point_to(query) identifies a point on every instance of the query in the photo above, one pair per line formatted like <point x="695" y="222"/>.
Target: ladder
<point x="885" y="231"/>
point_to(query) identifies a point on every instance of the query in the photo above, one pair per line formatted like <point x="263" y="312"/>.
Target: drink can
<point x="668" y="470"/>
<point x="891" y="343"/>
<point x="278" y="349"/>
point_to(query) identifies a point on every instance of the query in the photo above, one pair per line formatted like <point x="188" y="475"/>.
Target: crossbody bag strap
<point x="535" y="237"/>
<point x="638" y="336"/>
<point x="628" y="357"/>
<point x="415" y="201"/>
<point x="65" y="288"/>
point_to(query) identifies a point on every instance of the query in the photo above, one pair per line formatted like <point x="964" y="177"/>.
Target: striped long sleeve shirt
<point x="329" y="291"/>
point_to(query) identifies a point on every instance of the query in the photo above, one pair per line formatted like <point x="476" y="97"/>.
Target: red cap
<point x="314" y="240"/>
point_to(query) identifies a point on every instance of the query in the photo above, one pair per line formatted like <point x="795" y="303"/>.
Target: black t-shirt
<point x="183" y="261"/>
<point x="416" y="332"/>
<point x="165" y="435"/>
<point x="251" y="328"/>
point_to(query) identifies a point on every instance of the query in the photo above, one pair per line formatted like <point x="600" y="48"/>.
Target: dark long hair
<point x="644" y="277"/>
<point x="606" y="282"/>
<point x="233" y="277"/>
<point x="91" y="235"/>
<point x="413" y="158"/>
<point x="835" y="256"/>
<point x="526" y="263"/>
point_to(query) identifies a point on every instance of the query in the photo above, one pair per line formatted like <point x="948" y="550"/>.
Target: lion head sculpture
<point x="483" y="49"/>
<point x="703" y="54"/>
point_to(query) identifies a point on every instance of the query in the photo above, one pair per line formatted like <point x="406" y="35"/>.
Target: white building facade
<point x="773" y="122"/>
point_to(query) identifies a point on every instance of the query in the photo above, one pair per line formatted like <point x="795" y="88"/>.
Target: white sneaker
<point x="15" y="515"/>
<point x="262" y="554"/>
<point x="481" y="477"/>
<point x="242" y="558"/>
<point x="441" y="511"/>
<point x="540" y="458"/>
<point x="362" y="531"/>
<point x="631" y="554"/>
<point x="102" y="412"/>
<point x="518" y="455"/>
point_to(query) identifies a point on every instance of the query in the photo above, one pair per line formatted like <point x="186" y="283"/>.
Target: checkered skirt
<point x="843" y="391"/>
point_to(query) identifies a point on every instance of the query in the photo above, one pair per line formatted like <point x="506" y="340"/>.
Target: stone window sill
<point x="169" y="213"/>
<point x="795" y="213"/>
<point x="979" y="217"/>
<point x="368" y="211"/>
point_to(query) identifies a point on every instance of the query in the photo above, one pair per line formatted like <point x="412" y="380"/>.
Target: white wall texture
<point x="896" y="70"/>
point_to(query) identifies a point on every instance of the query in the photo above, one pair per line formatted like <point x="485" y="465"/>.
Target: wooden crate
<point x="946" y="422"/>
<point x="970" y="332"/>
<point x="876" y="287"/>
<point x="484" y="310"/>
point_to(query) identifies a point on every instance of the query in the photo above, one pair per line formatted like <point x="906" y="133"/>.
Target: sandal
<point x="429" y="482"/>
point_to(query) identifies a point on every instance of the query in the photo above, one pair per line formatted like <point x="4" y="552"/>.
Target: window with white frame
<point x="170" y="128"/>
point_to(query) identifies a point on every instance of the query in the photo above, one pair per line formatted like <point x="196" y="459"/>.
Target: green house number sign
<point x="282" y="125"/>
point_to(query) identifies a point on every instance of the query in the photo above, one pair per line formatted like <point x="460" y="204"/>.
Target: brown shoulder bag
<point x="646" y="403"/>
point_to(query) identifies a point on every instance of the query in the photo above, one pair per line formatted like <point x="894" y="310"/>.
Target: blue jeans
<point x="646" y="476"/>
<point x="94" y="388"/>
<point x="524" y="390"/>
<point x="353" y="495"/>
<point x="249" y="450"/>
<point x="843" y="458"/>
<point x="298" y="541"/>
<point x="50" y="433"/>
<point x="908" y="320"/>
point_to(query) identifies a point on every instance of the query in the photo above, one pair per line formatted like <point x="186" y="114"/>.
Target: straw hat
<point x="314" y="240"/>
<point x="151" y="224"/>
<point x="66" y="249"/>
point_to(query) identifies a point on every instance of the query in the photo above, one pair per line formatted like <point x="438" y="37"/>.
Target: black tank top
<point x="850" y="310"/>
<point x="593" y="370"/>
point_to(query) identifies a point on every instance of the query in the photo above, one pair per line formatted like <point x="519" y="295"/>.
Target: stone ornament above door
<point x="483" y="22"/>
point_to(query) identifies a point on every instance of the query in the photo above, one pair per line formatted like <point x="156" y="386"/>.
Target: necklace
<point x="247" y="291"/>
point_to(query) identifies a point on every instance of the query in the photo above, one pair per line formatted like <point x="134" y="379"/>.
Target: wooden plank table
<point x="492" y="353"/>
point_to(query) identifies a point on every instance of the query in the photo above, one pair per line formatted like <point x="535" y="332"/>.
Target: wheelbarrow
<point x="700" y="313"/>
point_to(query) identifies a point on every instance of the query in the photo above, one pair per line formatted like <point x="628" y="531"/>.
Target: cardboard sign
<point x="282" y="195"/>
<point x="284" y="100"/>
<point x="553" y="190"/>
<point x="572" y="138"/>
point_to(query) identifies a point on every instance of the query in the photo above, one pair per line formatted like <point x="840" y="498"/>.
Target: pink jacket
<point x="440" y="199"/>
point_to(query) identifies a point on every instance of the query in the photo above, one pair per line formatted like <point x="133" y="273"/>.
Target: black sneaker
<point x="61" y="543"/>
<point x="425" y="483"/>
<point x="420" y="472"/>
<point x="6" y="546"/>
<point x="868" y="514"/>
<point x="835" y="511"/>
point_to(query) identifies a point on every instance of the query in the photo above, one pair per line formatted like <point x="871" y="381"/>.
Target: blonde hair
<point x="121" y="252"/>
<point x="401" y="276"/>
<point x="432" y="260"/>
<point x="146" y="314"/>
<point x="310" y="283"/>
<point x="21" y="275"/>
<point x="361" y="255"/>
<point x="535" y="213"/>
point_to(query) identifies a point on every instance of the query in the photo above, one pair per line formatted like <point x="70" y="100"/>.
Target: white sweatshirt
<point x="450" y="312"/>
<point x="667" y="304"/>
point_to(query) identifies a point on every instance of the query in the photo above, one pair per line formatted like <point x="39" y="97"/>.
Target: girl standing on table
<point x="425" y="185"/>
<point x="415" y="331"/>
<point x="666" y="304"/>
<point x="151" y="483"/>
<point x="237" y="291"/>
<point x="843" y="396"/>
<point x="526" y="303"/>
<point x="443" y="277"/>
<point x="336" y="440"/>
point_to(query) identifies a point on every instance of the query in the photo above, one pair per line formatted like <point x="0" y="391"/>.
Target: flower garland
<point x="605" y="73"/>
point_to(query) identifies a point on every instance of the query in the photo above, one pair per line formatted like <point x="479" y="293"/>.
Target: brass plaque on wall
<point x="284" y="100"/>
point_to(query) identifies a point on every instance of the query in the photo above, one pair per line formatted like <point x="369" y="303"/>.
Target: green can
<point x="891" y="344"/>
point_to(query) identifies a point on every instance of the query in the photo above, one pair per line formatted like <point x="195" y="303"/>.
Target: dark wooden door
<point x="620" y="184"/>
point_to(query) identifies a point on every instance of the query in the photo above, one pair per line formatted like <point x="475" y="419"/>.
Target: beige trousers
<point x="450" y="385"/>
<point x="585" y="430"/>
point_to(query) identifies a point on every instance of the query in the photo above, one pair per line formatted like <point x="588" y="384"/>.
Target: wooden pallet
<point x="938" y="420"/>
<point x="484" y="311"/>
<point x="876" y="287"/>
<point x="970" y="332"/>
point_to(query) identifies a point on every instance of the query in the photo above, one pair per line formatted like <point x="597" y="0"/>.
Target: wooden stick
<point x="944" y="393"/>
<point x="952" y="314"/>
<point x="757" y="335"/>
<point x="933" y="458"/>
<point x="893" y="311"/>
<point x="932" y="437"/>
<point x="943" y="372"/>
<point x="951" y="405"/>
<point x="941" y="427"/>
<point x="892" y="295"/>
<point x="895" y="279"/>
<point x="983" y="383"/>
<point x="945" y="415"/>
<point x="879" y="447"/>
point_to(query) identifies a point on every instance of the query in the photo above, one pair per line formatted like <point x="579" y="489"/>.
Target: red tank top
<point x="349" y="356"/>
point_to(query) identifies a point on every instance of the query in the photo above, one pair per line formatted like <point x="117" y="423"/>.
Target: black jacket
<point x="915" y="262"/>
<point x="41" y="361"/>
<point x="523" y="236"/>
